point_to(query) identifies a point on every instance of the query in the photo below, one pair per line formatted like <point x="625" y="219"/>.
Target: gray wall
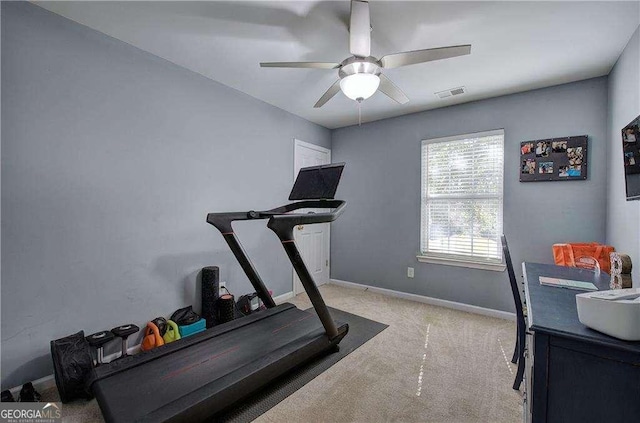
<point x="111" y="159"/>
<point x="0" y="173"/>
<point x="378" y="236"/>
<point x="623" y="230"/>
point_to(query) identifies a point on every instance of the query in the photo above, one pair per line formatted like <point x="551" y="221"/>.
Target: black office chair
<point x="518" y="353"/>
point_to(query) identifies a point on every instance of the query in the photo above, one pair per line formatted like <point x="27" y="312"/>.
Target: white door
<point x="312" y="240"/>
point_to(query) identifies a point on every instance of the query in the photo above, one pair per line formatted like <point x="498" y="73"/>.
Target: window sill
<point x="461" y="263"/>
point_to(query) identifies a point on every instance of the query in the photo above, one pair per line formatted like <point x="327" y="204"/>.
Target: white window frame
<point x="451" y="259"/>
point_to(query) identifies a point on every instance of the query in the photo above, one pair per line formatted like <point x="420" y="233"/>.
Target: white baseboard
<point x="48" y="382"/>
<point x="284" y="297"/>
<point x="428" y="300"/>
<point x="39" y="385"/>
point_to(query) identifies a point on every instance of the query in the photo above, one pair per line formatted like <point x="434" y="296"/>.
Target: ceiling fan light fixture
<point x="359" y="86"/>
<point x="360" y="75"/>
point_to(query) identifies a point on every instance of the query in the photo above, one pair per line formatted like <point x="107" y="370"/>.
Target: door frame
<point x="299" y="143"/>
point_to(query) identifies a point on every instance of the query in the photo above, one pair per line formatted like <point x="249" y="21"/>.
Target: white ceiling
<point x="516" y="46"/>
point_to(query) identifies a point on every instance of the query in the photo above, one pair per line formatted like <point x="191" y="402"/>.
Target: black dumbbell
<point x="97" y="340"/>
<point x="123" y="332"/>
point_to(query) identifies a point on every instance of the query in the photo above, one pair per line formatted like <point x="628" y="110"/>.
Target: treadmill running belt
<point x="193" y="383"/>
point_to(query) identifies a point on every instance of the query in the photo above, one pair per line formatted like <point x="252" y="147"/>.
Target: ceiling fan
<point x="361" y="74"/>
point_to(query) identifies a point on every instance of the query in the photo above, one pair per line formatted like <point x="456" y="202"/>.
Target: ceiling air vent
<point x="451" y="92"/>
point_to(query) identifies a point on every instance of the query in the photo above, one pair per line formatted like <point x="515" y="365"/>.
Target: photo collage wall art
<point x="630" y="146"/>
<point x="557" y="159"/>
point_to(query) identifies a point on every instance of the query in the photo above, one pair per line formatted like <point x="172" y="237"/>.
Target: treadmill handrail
<point x="282" y="225"/>
<point x="294" y="219"/>
<point x="222" y="221"/>
<point x="282" y="222"/>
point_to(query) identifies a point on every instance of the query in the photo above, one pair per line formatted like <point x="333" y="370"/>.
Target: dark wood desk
<point x="575" y="374"/>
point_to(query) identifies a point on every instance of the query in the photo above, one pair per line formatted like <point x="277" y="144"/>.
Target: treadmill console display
<point x="317" y="182"/>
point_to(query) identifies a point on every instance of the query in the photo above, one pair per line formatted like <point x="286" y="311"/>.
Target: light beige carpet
<point x="431" y="364"/>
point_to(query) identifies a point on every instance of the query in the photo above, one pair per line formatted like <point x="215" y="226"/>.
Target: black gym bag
<point x="185" y="316"/>
<point x="72" y="364"/>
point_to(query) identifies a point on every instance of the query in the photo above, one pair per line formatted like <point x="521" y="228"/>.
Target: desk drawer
<point x="587" y="388"/>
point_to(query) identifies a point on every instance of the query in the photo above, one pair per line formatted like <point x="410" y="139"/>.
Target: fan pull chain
<point x="359" y="112"/>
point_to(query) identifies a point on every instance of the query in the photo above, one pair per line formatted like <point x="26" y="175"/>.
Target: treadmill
<point x="197" y="377"/>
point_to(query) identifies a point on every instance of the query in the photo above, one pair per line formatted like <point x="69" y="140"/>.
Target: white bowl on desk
<point x="615" y="313"/>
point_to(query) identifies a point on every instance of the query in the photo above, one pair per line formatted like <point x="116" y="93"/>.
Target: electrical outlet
<point x="222" y="288"/>
<point x="410" y="272"/>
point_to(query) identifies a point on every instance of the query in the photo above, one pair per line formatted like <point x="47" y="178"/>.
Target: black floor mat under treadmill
<point x="360" y="331"/>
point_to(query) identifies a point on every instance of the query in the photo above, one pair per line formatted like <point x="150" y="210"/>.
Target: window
<point x="461" y="216"/>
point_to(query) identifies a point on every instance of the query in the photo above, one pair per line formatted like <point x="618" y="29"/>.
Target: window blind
<point x="462" y="185"/>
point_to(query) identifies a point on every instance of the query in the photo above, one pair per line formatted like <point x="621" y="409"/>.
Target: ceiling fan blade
<point x="312" y="65"/>
<point x="420" y="56"/>
<point x="391" y="90"/>
<point x="333" y="90"/>
<point x="360" y="29"/>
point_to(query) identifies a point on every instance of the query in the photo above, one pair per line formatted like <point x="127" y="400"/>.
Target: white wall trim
<point x="49" y="381"/>
<point x="39" y="385"/>
<point x="428" y="300"/>
<point x="284" y="297"/>
<point x="311" y="146"/>
<point x="465" y="136"/>
<point x="496" y="267"/>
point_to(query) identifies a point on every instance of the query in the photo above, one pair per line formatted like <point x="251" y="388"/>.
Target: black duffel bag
<point x="185" y="316"/>
<point x="72" y="366"/>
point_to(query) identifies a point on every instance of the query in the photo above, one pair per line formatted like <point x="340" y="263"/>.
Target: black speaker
<point x="210" y="289"/>
<point x="226" y="308"/>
